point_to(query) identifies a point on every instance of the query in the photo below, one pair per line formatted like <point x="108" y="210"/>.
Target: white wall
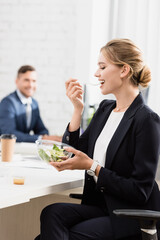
<point x="53" y="36"/>
<point x="62" y="39"/>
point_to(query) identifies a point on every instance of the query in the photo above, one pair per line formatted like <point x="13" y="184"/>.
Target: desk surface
<point x="40" y="178"/>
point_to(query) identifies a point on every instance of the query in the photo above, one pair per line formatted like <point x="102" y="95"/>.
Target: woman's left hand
<point x="79" y="161"/>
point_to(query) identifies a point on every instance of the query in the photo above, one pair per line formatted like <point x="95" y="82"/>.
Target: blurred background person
<point x="19" y="111"/>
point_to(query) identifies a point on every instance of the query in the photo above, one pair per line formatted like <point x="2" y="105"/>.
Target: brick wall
<point x="43" y="34"/>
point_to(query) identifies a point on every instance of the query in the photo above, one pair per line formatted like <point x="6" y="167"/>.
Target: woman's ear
<point x="125" y="71"/>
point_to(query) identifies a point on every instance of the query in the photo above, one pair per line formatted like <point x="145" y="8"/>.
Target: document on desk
<point x="28" y="161"/>
<point x="31" y="164"/>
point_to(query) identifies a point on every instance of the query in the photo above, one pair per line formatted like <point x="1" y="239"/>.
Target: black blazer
<point x="128" y="178"/>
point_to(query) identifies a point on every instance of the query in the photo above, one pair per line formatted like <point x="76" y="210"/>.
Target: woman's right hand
<point x="74" y="92"/>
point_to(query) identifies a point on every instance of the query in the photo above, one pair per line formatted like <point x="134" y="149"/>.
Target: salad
<point x="55" y="154"/>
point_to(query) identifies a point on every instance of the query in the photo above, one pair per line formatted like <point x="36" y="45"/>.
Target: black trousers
<point x="68" y="221"/>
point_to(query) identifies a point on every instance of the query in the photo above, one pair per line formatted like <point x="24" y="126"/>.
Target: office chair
<point x="146" y="218"/>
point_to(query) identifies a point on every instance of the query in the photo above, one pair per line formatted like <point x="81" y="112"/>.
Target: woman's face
<point x="109" y="76"/>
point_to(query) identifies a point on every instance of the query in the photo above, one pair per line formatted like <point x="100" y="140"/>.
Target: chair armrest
<point x="139" y="214"/>
<point x="147" y="220"/>
<point x="75" y="195"/>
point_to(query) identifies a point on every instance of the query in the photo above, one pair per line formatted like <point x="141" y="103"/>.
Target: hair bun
<point x="144" y="76"/>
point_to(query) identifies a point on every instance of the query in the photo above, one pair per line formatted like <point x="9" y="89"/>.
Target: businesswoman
<point x="119" y="151"/>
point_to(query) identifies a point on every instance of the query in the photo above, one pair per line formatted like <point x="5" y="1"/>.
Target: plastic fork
<point x="93" y="84"/>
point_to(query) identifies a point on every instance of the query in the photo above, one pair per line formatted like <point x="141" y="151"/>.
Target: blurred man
<point x="19" y="112"/>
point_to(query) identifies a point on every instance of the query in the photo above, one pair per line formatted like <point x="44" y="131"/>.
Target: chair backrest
<point x="145" y="94"/>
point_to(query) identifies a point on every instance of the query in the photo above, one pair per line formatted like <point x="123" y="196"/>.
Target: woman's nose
<point x="97" y="74"/>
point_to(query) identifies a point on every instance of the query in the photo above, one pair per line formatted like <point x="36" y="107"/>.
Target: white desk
<point x="38" y="182"/>
<point x="41" y="188"/>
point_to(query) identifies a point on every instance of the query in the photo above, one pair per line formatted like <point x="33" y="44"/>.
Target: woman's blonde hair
<point x="124" y="51"/>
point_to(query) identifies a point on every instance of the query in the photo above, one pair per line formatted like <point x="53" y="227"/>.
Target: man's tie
<point x="28" y="113"/>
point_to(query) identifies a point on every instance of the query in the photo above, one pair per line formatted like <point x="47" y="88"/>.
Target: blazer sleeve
<point x="138" y="187"/>
<point x="8" y="122"/>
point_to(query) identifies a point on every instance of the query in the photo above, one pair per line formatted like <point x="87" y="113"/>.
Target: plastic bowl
<point x="52" y="151"/>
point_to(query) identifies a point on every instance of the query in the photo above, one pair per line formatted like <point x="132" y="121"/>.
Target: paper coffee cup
<point x="7" y="147"/>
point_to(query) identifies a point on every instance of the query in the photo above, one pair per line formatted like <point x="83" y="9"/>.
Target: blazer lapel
<point x="122" y="130"/>
<point x="24" y="116"/>
<point x="22" y="112"/>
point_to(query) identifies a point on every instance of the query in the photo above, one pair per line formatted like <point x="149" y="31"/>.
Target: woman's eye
<point x="102" y="68"/>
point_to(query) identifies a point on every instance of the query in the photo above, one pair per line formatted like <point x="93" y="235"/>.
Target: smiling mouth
<point x="101" y="82"/>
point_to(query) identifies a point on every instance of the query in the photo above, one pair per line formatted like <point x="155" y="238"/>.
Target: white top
<point x="105" y="136"/>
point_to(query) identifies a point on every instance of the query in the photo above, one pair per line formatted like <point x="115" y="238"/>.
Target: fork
<point x="93" y="84"/>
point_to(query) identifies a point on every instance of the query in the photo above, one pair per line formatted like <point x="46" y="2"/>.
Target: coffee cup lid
<point x="8" y="136"/>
